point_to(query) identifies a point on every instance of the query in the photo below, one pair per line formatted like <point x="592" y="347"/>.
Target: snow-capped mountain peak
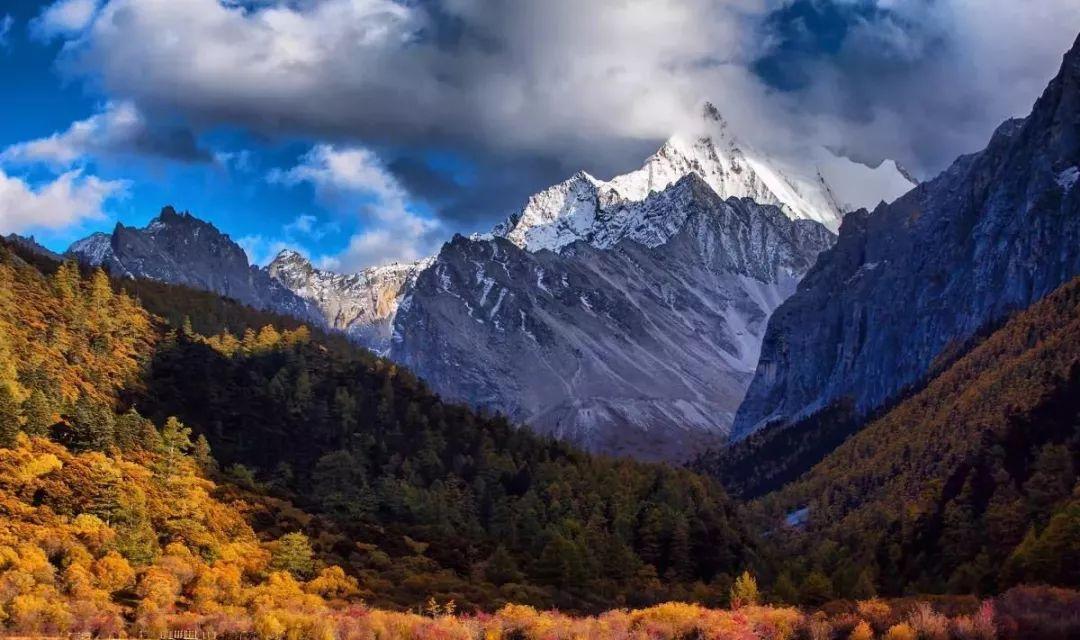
<point x="362" y="304"/>
<point x="585" y="208"/>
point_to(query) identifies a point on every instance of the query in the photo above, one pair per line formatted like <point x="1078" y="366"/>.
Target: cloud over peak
<point x="69" y="199"/>
<point x="354" y="181"/>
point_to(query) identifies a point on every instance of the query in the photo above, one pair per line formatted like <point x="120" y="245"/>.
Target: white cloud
<point x="577" y="84"/>
<point x="307" y="226"/>
<point x="119" y="128"/>
<point x="924" y="82"/>
<point x="117" y="122"/>
<point x="64" y="18"/>
<point x="242" y="160"/>
<point x="69" y="199"/>
<point x="336" y="171"/>
<point x="353" y="179"/>
<point x="556" y="76"/>
<point x="261" y="250"/>
<point x="6" y="23"/>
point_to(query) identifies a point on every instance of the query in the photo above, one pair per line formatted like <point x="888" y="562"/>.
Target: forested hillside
<point x="413" y="498"/>
<point x="458" y="504"/>
<point x="967" y="486"/>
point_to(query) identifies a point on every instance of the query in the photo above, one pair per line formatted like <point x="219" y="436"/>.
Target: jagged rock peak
<point x="601" y="342"/>
<point x="362" y="304"/>
<point x="180" y="248"/>
<point x="586" y="208"/>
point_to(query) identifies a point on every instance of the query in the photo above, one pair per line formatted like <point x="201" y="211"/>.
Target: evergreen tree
<point x="1005" y="518"/>
<point x="93" y="426"/>
<point x="745" y="591"/>
<point x="681" y="564"/>
<point x="501" y="567"/>
<point x="784" y="590"/>
<point x="202" y="455"/>
<point x="560" y="563"/>
<point x="10" y="419"/>
<point x="130" y="430"/>
<point x="293" y="553"/>
<point x="864" y="588"/>
<point x="38" y="413"/>
<point x="816" y="588"/>
<point x="1051" y="481"/>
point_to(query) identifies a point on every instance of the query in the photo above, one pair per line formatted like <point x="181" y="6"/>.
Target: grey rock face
<point x="178" y="248"/>
<point x="995" y="232"/>
<point x="32" y="245"/>
<point x="635" y="349"/>
<point x="363" y="305"/>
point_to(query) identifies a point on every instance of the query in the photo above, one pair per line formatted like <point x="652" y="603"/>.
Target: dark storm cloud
<point x="920" y="81"/>
<point x="546" y="88"/>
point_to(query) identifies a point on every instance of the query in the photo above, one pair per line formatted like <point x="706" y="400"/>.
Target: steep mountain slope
<point x="995" y="232"/>
<point x="599" y="213"/>
<point x="179" y="248"/>
<point x="969" y="484"/>
<point x="644" y="348"/>
<point x="363" y="305"/>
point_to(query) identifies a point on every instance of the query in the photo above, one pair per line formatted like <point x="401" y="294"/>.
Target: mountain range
<point x="604" y="347"/>
<point x="614" y="283"/>
<point x="179" y="248"/>
<point x="875" y="407"/>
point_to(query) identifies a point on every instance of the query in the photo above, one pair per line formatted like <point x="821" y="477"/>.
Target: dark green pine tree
<point x="1051" y="481"/>
<point x="38" y="412"/>
<point x="130" y="429"/>
<point x="9" y="417"/>
<point x="501" y="567"/>
<point x="784" y="590"/>
<point x="816" y="588"/>
<point x="864" y="588"/>
<point x="559" y="563"/>
<point x="650" y="535"/>
<point x="204" y="458"/>
<point x="93" y="426"/>
<point x="680" y="561"/>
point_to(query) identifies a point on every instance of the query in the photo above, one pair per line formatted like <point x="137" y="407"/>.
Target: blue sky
<point x="363" y="131"/>
<point x="232" y="192"/>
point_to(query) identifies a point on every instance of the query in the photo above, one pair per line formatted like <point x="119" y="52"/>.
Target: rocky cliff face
<point x="362" y="305"/>
<point x="995" y="232"/>
<point x="181" y="249"/>
<point x="641" y="348"/>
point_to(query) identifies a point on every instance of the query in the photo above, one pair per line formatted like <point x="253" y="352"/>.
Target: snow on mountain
<point x="94" y="249"/>
<point x="604" y="212"/>
<point x="181" y="249"/>
<point x="363" y="304"/>
<point x="642" y="346"/>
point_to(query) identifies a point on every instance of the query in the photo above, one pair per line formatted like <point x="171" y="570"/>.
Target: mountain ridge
<point x="993" y="233"/>
<point x="180" y="248"/>
<point x="602" y="346"/>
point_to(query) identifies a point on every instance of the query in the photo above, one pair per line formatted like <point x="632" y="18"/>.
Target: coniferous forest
<point x="174" y="459"/>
